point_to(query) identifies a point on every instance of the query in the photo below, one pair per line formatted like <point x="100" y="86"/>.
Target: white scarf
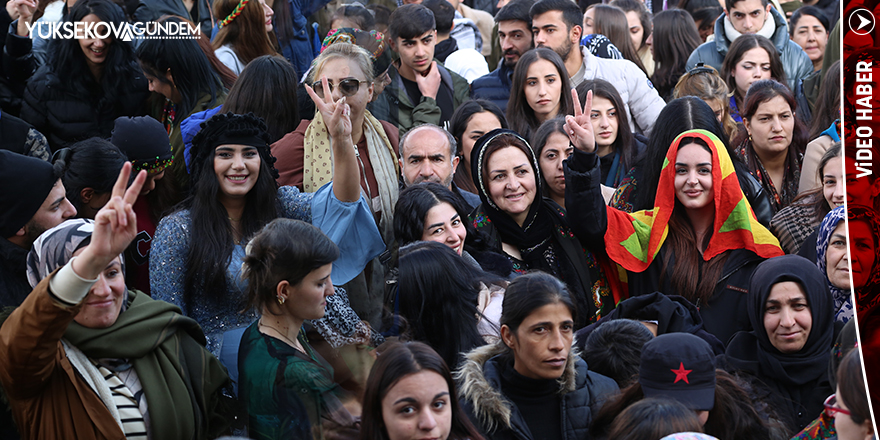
<point x="766" y="31"/>
<point x="93" y="377"/>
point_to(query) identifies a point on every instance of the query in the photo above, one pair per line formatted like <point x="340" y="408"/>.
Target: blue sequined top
<point x="349" y="224"/>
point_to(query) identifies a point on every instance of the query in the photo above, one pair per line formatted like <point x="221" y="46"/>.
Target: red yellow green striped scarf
<point x="633" y="240"/>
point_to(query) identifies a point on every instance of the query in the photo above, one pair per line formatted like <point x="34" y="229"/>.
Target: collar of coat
<point x="484" y="394"/>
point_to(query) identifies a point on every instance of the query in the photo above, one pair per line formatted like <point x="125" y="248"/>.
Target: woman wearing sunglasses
<point x="785" y="358"/>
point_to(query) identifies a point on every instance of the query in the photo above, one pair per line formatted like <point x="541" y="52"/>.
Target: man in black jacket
<point x="33" y="200"/>
<point x="515" y="38"/>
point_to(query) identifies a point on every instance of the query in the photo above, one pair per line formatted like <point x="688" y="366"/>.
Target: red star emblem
<point x="681" y="374"/>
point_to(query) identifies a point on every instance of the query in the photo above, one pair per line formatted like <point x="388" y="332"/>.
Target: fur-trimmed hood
<point x="479" y="383"/>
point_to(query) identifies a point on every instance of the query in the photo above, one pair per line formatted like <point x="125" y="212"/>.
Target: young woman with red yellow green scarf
<point x="701" y="240"/>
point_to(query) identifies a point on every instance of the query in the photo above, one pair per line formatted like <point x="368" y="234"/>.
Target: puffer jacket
<point x="795" y="62"/>
<point x="494" y="86"/>
<point x="583" y="394"/>
<point x="65" y="116"/>
<point x="395" y="105"/>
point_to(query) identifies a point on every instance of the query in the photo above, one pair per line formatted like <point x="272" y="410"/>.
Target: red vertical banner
<point x="861" y="114"/>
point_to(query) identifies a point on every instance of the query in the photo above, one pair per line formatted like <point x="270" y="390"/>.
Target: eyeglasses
<point x="831" y="408"/>
<point x="348" y="87"/>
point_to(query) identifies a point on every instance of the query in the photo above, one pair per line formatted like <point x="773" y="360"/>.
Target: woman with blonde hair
<point x="705" y="83"/>
<point x="244" y="32"/>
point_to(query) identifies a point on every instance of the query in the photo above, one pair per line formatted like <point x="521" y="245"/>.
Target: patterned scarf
<point x="791" y="176"/>
<point x="634" y="240"/>
<point x="318" y="164"/>
<point x="843" y="307"/>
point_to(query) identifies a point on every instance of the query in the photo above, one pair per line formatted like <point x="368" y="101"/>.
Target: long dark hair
<point x="850" y="381"/>
<point x="413" y="205"/>
<point x="611" y="22"/>
<point x="212" y="238"/>
<point x="458" y="125"/>
<point x="92" y="163"/>
<point x="267" y="88"/>
<point x="520" y="114"/>
<point x="624" y="143"/>
<point x="828" y="104"/>
<point x="192" y="73"/>
<point x="654" y="418"/>
<point x="395" y="362"/>
<point x="675" y="37"/>
<point x="246" y="33"/>
<point x="284" y="249"/>
<point x="68" y="62"/>
<point x="438" y="297"/>
<point x="738" y="48"/>
<point x="761" y="92"/>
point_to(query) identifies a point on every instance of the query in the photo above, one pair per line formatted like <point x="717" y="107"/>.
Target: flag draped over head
<point x="633" y="240"/>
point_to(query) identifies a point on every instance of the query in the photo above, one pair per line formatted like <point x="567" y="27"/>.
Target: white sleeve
<point x="69" y="287"/>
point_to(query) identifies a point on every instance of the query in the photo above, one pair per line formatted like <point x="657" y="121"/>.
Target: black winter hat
<point x="679" y="366"/>
<point x="25" y="182"/>
<point x="145" y="142"/>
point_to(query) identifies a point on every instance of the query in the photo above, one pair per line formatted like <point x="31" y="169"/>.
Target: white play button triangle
<point x="863" y="22"/>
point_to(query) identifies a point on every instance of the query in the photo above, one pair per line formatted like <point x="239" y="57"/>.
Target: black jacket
<point x="494" y="86"/>
<point x="726" y="312"/>
<point x="583" y="393"/>
<point x="14" y="286"/>
<point x="65" y="117"/>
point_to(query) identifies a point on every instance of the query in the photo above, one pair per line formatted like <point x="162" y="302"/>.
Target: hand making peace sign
<point x="578" y="127"/>
<point x="337" y="115"/>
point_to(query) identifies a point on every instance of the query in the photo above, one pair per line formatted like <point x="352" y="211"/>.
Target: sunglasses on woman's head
<point x="348" y="87"/>
<point x="831" y="406"/>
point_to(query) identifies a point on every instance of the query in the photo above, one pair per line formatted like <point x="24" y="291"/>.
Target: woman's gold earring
<point x="280" y="299"/>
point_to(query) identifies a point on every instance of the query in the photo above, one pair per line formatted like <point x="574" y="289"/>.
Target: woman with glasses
<point x="785" y="358"/>
<point x="849" y="404"/>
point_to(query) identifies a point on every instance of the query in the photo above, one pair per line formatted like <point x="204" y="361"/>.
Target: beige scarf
<point x="318" y="165"/>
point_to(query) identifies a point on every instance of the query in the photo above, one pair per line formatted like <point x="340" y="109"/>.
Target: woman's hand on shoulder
<point x="337" y="115"/>
<point x="578" y="127"/>
<point x="115" y="226"/>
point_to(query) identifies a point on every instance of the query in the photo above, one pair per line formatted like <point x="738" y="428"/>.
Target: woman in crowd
<point x="431" y="212"/>
<point x="864" y="230"/>
<point x="680" y="246"/>
<point x="411" y="394"/>
<point x="244" y="32"/>
<point x="654" y="418"/>
<point x="809" y="29"/>
<point x="85" y="355"/>
<point x="618" y="148"/>
<point x="530" y="381"/>
<point x="640" y="24"/>
<point x="785" y="358"/>
<point x="794" y="224"/>
<point x="832" y="260"/>
<point x="552" y="147"/>
<point x="749" y="59"/>
<point x="471" y="120"/>
<point x="453" y="315"/>
<point x="538" y="92"/>
<point x="268" y="89"/>
<point x="285" y="384"/>
<point x="349" y="70"/>
<point x="91" y="169"/>
<point x="533" y="233"/>
<point x="825" y="128"/>
<point x="849" y="404"/>
<point x="704" y="83"/>
<point x="611" y="22"/>
<point x="178" y="70"/>
<point x="773" y="142"/>
<point x="87" y="83"/>
<point x="675" y="37"/>
<point x="234" y="195"/>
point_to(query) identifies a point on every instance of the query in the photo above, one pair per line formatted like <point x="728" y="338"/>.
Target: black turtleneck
<point x="537" y="400"/>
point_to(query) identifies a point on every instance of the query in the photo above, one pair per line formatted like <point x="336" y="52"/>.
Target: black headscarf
<point x="753" y="352"/>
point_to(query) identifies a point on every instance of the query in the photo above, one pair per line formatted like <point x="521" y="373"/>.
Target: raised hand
<point x="337" y="115"/>
<point x="429" y="84"/>
<point x="578" y="127"/>
<point x="23" y="11"/>
<point x="115" y="226"/>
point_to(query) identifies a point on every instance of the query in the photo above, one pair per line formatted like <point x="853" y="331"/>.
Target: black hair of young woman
<point x="93" y="163"/>
<point x="267" y="88"/>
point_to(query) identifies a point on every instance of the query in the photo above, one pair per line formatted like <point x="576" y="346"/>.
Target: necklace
<point x="234" y="219"/>
<point x="292" y="342"/>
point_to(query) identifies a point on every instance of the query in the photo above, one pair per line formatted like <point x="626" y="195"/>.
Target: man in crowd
<point x="466" y="62"/>
<point x="34" y="201"/>
<point x="422" y="91"/>
<point x="753" y="17"/>
<point x="556" y="24"/>
<point x="515" y="38"/>
<point x="427" y="154"/>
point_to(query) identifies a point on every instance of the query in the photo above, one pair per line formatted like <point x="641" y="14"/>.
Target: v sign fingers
<point x="575" y="99"/>
<point x="579" y="128"/>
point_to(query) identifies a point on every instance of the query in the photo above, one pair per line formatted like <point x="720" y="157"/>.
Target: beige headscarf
<point x="318" y="165"/>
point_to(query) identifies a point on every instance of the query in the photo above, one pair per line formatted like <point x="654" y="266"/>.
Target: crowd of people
<point x="449" y="219"/>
